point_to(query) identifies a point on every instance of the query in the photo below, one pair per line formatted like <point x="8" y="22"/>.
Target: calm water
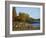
<point x="37" y="24"/>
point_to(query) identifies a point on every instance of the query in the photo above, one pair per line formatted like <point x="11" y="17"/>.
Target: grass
<point x="35" y="28"/>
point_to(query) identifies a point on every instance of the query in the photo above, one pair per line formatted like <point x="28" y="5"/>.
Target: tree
<point x="29" y="20"/>
<point x="23" y="16"/>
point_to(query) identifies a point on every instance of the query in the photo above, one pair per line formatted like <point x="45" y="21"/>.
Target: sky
<point x="32" y="11"/>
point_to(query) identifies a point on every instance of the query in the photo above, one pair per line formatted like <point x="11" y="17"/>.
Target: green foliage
<point x="29" y="20"/>
<point x="23" y="16"/>
<point x="35" y="20"/>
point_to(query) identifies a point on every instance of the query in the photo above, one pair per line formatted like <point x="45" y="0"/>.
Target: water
<point x="36" y="24"/>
